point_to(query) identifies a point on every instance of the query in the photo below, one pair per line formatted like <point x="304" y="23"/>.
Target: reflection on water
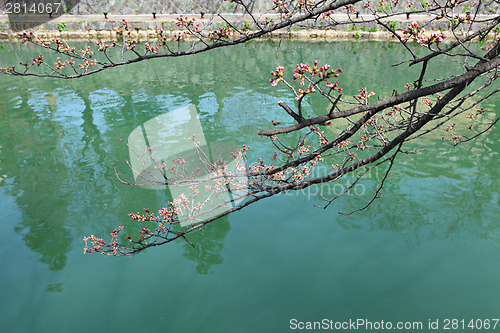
<point x="59" y="144"/>
<point x="61" y="140"/>
<point x="209" y="245"/>
<point x="55" y="287"/>
<point x="31" y="158"/>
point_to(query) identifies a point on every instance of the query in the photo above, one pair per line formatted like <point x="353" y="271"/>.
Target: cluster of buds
<point x="318" y="158"/>
<point x="301" y="173"/>
<point x="303" y="72"/>
<point x="166" y="217"/>
<point x="453" y="3"/>
<point x="160" y="32"/>
<point x="147" y="216"/>
<point x="372" y="122"/>
<point x="434" y="38"/>
<point x="426" y="101"/>
<point x="162" y="166"/>
<point x="441" y="15"/>
<point x="38" y="60"/>
<point x="184" y="21"/>
<point x="350" y="9"/>
<point x="322" y="140"/>
<point x="280" y="5"/>
<point x="61" y="65"/>
<point x="103" y="46"/>
<point x="449" y="128"/>
<point x="304" y="4"/>
<point x="414" y="30"/>
<point x="391" y="112"/>
<point x="168" y="213"/>
<point x="115" y="232"/>
<point x="323" y="72"/>
<point x="181" y="202"/>
<point x="95" y="245"/>
<point x="179" y="160"/>
<point x="188" y="23"/>
<point x="222" y="32"/>
<point x="152" y="49"/>
<point x="364" y="95"/>
<point x="27" y="37"/>
<point x="471" y="115"/>
<point x="480" y="111"/>
<point x="351" y="156"/>
<point x="267" y="21"/>
<point x="86" y="64"/>
<point x="7" y="69"/>
<point x="130" y="44"/>
<point x="63" y="46"/>
<point x="196" y="192"/>
<point x="381" y="3"/>
<point x="87" y="52"/>
<point x="42" y="40"/>
<point x="474" y="117"/>
<point x="125" y="27"/>
<point x="490" y="46"/>
<point x="263" y="166"/>
<point x="299" y="72"/>
<point x="334" y="86"/>
<point x="463" y="19"/>
<point x="179" y="36"/>
<point x="410" y="85"/>
<point x="278" y="75"/>
<point x="302" y="93"/>
<point x="344" y="144"/>
<point x="145" y="233"/>
<point x="161" y="36"/>
<point x="326" y="15"/>
<point x="364" y="137"/>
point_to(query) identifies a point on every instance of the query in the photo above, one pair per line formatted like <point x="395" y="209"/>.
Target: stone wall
<point x="85" y="19"/>
<point x="130" y="7"/>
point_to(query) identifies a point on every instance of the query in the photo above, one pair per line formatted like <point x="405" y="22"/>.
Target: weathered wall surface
<point x="85" y="19"/>
<point x="130" y="7"/>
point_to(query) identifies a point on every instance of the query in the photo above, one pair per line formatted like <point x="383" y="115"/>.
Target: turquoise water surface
<point x="428" y="250"/>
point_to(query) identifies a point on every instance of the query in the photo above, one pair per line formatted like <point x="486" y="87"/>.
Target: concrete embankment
<point x="75" y="27"/>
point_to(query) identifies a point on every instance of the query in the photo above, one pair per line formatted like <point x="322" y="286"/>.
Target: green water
<point x="429" y="249"/>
